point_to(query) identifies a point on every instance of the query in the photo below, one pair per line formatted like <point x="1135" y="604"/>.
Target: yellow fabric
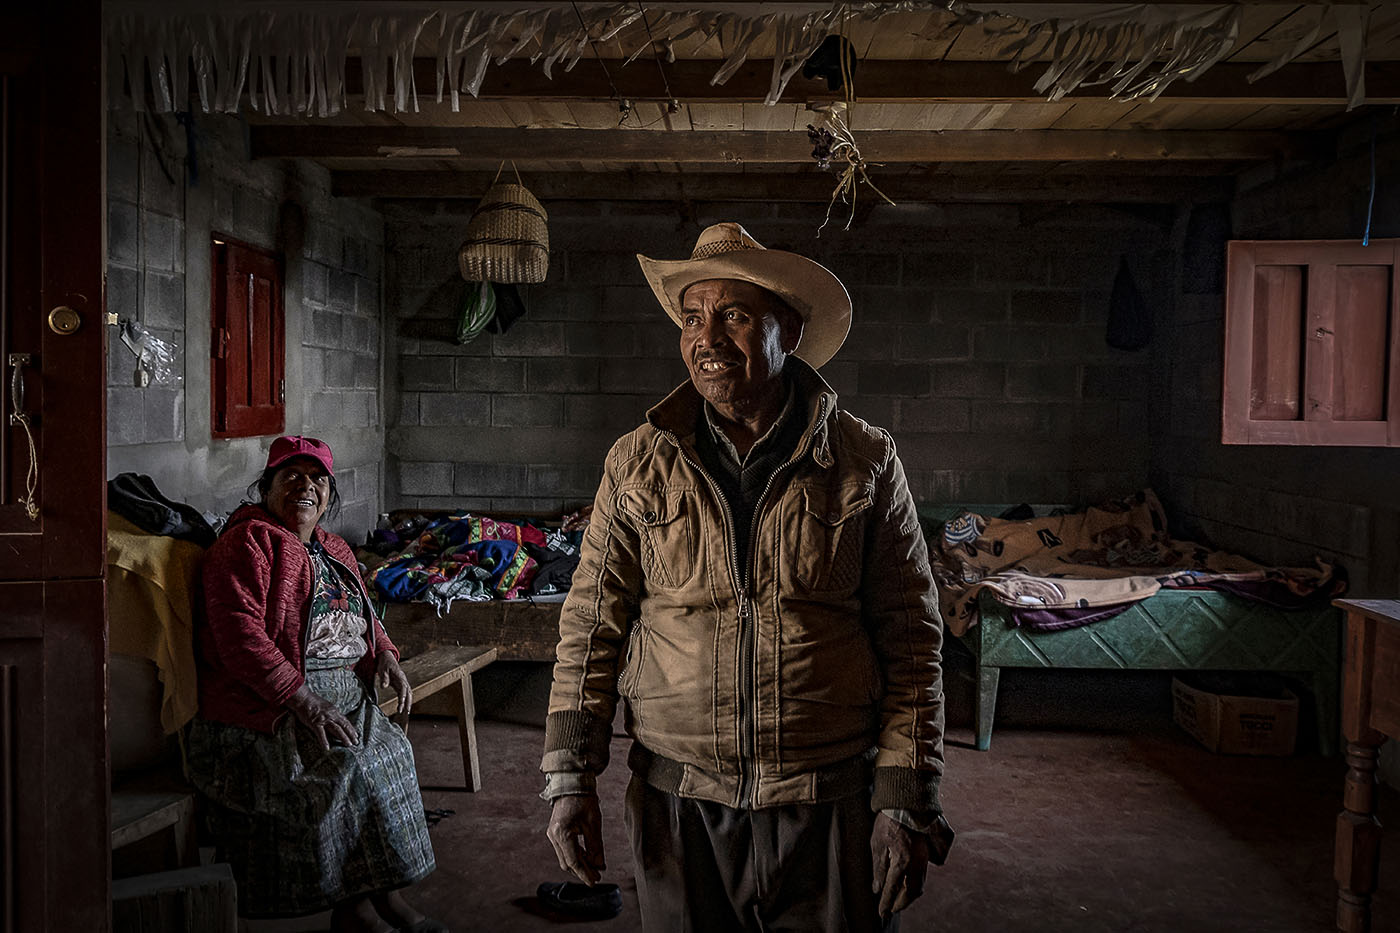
<point x="152" y="586"/>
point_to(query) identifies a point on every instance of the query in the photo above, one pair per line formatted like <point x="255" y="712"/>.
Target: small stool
<point x="439" y="669"/>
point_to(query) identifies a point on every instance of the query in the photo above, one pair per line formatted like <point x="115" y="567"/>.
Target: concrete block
<point x="598" y="339"/>
<point x="1042" y="381"/>
<point x="345" y="483"/>
<point x="123" y="294"/>
<point x="158" y="192"/>
<point x="126" y="416"/>
<point x="561" y="374"/>
<point x="123" y="237"/>
<point x="425" y="479"/>
<point x="339" y="369"/>
<point x="868" y="341"/>
<point x="1046" y="306"/>
<point x="932" y="342"/>
<point x="164" y="414"/>
<point x="657" y="340"/>
<point x="254" y="217"/>
<point x="891" y="305"/>
<point x="324" y="244"/>
<point x="1108" y="381"/>
<point x="1012" y="418"/>
<point x="327" y="329"/>
<point x="587" y="267"/>
<point x="120" y="362"/>
<point x="355" y="521"/>
<point x="313" y="368"/>
<point x="879" y="410"/>
<point x="1101" y="418"/>
<point x="314" y="283"/>
<point x="967" y="380"/>
<point x="660" y="376"/>
<point x="908" y="380"/>
<point x="970" y="306"/>
<point x="565" y="481"/>
<point x="942" y="269"/>
<point x="324" y="411"/>
<point x="356" y="334"/>
<point x="163" y="304"/>
<point x="489" y="479"/>
<point x="121" y="167"/>
<point x="366" y="371"/>
<point x="164" y="242"/>
<point x="454" y="408"/>
<point x="1041" y="487"/>
<point x="357" y="255"/>
<point x="408" y="409"/>
<point x="996" y="342"/>
<point x="529" y="338"/>
<point x="613" y="414"/>
<point x="486" y="374"/>
<point x="361" y="409"/>
<point x="943" y="415"/>
<point x="625" y="303"/>
<point x="367" y="297"/>
<point x="843" y="376"/>
<point x="426" y="372"/>
<point x="526" y="411"/>
<point x="342" y="290"/>
<point x="221" y="214"/>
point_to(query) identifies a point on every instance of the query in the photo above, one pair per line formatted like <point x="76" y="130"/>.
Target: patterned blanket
<point x="460" y="557"/>
<point x="1066" y="570"/>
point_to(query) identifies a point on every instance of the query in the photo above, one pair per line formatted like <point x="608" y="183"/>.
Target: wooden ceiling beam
<point x="888" y="81"/>
<point x="604" y="147"/>
<point x="804" y="187"/>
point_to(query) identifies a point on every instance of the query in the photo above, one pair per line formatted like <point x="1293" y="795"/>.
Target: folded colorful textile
<point x="1055" y="568"/>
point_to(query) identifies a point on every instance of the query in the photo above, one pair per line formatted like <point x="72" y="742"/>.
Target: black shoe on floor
<point x="600" y="902"/>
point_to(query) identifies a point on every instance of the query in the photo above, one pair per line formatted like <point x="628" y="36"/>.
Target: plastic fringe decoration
<point x="293" y="61"/>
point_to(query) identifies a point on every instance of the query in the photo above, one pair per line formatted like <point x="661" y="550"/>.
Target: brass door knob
<point x="63" y="320"/>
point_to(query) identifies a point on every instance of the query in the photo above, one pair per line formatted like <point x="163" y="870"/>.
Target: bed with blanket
<point x="1107" y="587"/>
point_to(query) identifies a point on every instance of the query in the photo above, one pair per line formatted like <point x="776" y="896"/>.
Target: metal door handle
<point x="17" y="363"/>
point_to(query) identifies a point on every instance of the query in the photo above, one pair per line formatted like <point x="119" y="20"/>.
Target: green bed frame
<point x="1194" y="630"/>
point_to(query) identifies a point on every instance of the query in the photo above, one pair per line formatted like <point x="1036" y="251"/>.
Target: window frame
<point x="233" y="332"/>
<point x="1317" y="343"/>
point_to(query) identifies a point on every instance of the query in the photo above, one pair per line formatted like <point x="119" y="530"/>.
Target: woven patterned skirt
<point x="305" y="828"/>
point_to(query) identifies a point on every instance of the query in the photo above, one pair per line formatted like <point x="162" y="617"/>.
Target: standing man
<point x="754" y="585"/>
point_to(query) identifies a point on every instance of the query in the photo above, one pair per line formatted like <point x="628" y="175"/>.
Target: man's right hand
<point x="576" y="832"/>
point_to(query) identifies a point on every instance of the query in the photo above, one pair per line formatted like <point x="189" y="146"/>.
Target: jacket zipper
<point x="748" y="722"/>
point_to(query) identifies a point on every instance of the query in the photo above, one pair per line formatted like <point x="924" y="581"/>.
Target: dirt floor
<point x="1091" y="812"/>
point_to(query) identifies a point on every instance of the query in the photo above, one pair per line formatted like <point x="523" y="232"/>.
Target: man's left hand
<point x="389" y="674"/>
<point x="901" y="862"/>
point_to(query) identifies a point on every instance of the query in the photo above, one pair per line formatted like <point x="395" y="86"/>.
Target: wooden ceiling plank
<point x="806" y="186"/>
<point x="611" y="146"/>
<point x="905" y="80"/>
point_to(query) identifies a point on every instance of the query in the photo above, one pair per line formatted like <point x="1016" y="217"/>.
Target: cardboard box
<point x="1237" y="725"/>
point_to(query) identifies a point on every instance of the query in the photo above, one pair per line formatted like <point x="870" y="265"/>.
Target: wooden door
<point x="54" y="783"/>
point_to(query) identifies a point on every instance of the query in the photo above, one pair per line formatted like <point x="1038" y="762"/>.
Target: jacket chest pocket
<point x="829" y="549"/>
<point x="667" y="534"/>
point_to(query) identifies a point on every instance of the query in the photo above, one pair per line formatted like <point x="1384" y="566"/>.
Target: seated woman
<point x="312" y="794"/>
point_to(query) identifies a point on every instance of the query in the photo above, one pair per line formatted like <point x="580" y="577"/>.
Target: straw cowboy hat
<point x="727" y="251"/>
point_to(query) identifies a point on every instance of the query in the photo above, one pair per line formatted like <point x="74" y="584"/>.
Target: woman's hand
<point x="321" y="716"/>
<point x="389" y="674"/>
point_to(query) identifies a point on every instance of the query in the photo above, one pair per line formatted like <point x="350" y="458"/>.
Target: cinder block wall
<point x="978" y="341"/>
<point x="164" y="204"/>
<point x="1279" y="504"/>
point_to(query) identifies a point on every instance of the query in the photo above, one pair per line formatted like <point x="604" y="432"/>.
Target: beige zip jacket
<point x="774" y="683"/>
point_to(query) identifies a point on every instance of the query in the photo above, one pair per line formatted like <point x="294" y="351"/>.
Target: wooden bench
<point x="139" y="812"/>
<point x="447" y="671"/>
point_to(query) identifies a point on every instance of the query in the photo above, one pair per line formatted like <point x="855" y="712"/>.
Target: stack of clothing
<point x="471" y="557"/>
<point x="1067" y="570"/>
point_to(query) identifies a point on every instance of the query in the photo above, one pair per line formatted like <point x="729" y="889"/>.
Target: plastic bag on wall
<point x="157" y="360"/>
<point x="477" y="308"/>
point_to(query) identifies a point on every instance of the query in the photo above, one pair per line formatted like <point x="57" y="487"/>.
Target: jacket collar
<point x="678" y="414"/>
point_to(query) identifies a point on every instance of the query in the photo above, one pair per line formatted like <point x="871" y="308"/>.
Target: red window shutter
<point x="1312" y="343"/>
<point x="247" y="345"/>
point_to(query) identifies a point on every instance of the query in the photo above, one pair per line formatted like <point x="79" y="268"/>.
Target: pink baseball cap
<point x="285" y="448"/>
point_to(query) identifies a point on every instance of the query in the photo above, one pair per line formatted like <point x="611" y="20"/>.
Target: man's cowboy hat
<point x="726" y="251"/>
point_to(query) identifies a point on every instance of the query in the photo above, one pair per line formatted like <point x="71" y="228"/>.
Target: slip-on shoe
<point x="599" y="902"/>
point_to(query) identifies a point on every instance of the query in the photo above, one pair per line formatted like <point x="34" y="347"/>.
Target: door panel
<point x="54" y="782"/>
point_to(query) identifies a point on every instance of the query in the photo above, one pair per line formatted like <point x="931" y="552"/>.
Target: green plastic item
<point x="477" y="307"/>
